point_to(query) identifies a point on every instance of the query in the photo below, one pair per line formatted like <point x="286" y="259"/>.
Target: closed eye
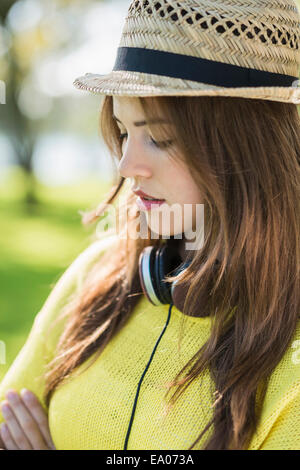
<point x="163" y="144"/>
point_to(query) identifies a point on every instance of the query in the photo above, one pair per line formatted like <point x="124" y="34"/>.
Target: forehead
<point x="130" y="108"/>
<point x="124" y="104"/>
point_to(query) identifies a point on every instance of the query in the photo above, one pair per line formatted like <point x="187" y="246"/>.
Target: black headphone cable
<point x="143" y="375"/>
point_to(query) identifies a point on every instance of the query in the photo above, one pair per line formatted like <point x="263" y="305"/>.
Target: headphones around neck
<point x="154" y="265"/>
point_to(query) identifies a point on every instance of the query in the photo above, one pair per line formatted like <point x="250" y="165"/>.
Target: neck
<point x="181" y="244"/>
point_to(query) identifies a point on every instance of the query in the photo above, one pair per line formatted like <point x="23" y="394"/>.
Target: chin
<point x="165" y="223"/>
<point x="162" y="231"/>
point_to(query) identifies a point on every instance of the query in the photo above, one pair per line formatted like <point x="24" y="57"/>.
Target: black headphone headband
<point x="154" y="265"/>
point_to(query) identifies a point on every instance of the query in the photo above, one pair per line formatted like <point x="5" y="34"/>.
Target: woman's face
<point x="153" y="171"/>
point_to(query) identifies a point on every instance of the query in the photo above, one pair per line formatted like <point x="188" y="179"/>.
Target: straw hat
<point x="240" y="48"/>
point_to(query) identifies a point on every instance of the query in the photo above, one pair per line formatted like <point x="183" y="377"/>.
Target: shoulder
<point x="280" y="415"/>
<point x="72" y="278"/>
<point x="73" y="275"/>
<point x="284" y="383"/>
<point x="91" y="254"/>
<point x="287" y="373"/>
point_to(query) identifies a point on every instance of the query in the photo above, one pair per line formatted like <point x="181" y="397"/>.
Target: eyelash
<point x="157" y="144"/>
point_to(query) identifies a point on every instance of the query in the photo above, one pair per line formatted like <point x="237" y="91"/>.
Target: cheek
<point x="187" y="192"/>
<point x="182" y="186"/>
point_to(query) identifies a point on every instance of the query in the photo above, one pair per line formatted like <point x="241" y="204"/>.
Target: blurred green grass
<point x="36" y="247"/>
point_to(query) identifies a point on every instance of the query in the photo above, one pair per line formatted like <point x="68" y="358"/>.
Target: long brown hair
<point x="244" y="154"/>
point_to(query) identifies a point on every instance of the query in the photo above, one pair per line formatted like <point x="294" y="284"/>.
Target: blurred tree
<point x="16" y="124"/>
<point x="25" y="47"/>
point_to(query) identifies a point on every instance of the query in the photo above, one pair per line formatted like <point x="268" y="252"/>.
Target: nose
<point x="134" y="161"/>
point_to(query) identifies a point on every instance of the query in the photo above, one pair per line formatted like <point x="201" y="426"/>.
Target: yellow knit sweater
<point x="92" y="411"/>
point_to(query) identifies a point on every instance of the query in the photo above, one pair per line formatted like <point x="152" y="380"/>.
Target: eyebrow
<point x="143" y="123"/>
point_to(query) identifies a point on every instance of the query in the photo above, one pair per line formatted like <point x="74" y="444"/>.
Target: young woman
<point x="127" y="353"/>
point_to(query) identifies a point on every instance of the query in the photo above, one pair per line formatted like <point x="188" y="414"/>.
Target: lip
<point x="141" y="193"/>
<point x="146" y="205"/>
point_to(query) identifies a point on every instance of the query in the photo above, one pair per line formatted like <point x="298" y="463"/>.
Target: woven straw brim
<point x="124" y="83"/>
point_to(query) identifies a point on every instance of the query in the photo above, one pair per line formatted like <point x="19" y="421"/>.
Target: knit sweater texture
<point x="93" y="410"/>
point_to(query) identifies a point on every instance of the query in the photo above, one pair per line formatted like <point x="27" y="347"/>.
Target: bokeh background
<point x="53" y="163"/>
